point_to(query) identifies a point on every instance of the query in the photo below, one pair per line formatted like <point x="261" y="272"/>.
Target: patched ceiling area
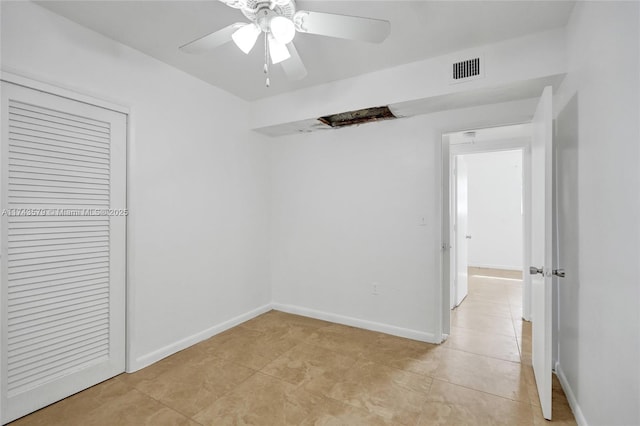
<point x="419" y="30"/>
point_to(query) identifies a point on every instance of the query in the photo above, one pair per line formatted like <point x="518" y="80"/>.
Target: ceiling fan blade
<point x="342" y="26"/>
<point x="213" y="40"/>
<point x="293" y="67"/>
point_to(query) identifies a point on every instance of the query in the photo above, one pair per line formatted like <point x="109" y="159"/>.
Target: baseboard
<point x="571" y="397"/>
<point x="360" y="323"/>
<point x="155" y="356"/>
<point x="503" y="267"/>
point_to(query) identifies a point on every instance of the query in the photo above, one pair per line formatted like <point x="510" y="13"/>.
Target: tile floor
<point x="281" y="369"/>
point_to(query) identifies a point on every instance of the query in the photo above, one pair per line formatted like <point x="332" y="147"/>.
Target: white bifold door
<point x="63" y="165"/>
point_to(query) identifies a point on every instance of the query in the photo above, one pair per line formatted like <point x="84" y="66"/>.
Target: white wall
<point x="598" y="193"/>
<point x="361" y="205"/>
<point x="198" y="189"/>
<point x="495" y="209"/>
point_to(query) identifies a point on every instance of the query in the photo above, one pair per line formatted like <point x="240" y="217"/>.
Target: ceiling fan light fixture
<point x="277" y="51"/>
<point x="245" y="37"/>
<point x="283" y="29"/>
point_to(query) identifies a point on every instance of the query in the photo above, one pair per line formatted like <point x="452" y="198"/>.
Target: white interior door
<point x="462" y="232"/>
<point x="541" y="247"/>
<point x="63" y="248"/>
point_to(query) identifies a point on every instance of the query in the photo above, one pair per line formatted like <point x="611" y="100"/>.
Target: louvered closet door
<point x="63" y="251"/>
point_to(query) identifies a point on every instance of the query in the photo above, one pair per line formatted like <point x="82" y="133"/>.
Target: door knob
<point x="468" y="237"/>
<point x="533" y="270"/>
<point x="559" y="273"/>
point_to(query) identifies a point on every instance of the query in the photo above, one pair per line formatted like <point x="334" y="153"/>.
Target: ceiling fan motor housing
<point x="262" y="11"/>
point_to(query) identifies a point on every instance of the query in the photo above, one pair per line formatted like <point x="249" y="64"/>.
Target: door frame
<point x="449" y="153"/>
<point x="25" y="80"/>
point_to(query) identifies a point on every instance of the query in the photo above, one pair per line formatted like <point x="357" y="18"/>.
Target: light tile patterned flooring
<point x="281" y="369"/>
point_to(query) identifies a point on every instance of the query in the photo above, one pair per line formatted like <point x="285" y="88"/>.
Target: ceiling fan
<point x="279" y="21"/>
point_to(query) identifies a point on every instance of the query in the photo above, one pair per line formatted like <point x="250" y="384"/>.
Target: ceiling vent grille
<point x="469" y="69"/>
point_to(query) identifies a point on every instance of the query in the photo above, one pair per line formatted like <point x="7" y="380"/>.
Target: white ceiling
<point x="419" y="30"/>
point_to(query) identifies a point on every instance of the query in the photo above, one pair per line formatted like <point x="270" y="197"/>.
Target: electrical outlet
<point x="374" y="288"/>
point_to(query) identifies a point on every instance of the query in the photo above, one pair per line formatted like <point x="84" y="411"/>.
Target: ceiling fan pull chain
<point x="266" y="60"/>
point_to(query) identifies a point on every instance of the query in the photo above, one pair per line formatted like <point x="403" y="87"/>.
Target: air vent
<point x="466" y="70"/>
<point x="361" y="116"/>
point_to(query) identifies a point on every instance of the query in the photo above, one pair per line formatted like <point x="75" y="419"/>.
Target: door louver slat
<point x="41" y="274"/>
<point x="57" y="146"/>
<point x="23" y="108"/>
<point x="81" y="277"/>
<point x="44" y="254"/>
<point x="43" y="123"/>
<point x="31" y="247"/>
<point x="34" y="295"/>
<point x="58" y="135"/>
<point x="58" y="171"/>
<point x="44" y="260"/>
<point x="15" y="271"/>
<point x="49" y="348"/>
<point x="57" y="238"/>
<point x="58" y="162"/>
<point x="50" y="165"/>
<point x="53" y="318"/>
<point x="29" y="131"/>
<point x="23" y="149"/>
<point x="59" y="119"/>
<point x="53" y="330"/>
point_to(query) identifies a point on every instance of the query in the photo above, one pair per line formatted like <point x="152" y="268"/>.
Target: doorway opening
<point x="487" y="224"/>
<point x="487" y="193"/>
<point x="531" y="347"/>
